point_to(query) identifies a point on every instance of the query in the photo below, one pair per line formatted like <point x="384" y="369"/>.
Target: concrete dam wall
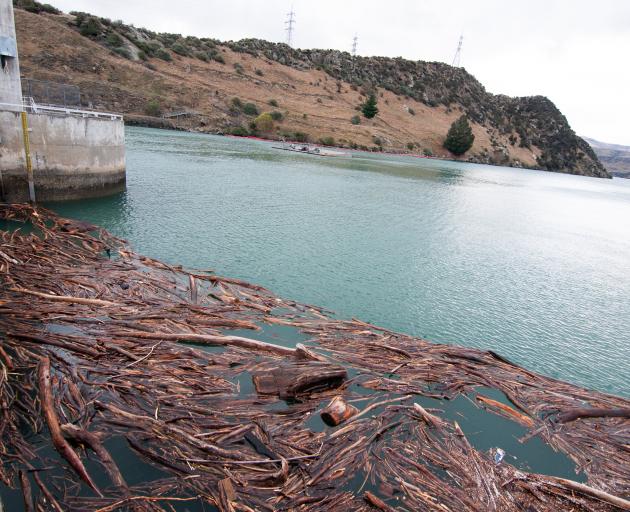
<point x="73" y="157"/>
<point x="51" y="152"/>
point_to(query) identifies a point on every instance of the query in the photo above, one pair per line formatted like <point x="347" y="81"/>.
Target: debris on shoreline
<point x="122" y="388"/>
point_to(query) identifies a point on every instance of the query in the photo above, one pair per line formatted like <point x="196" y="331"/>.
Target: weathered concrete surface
<point x="10" y="85"/>
<point x="73" y="157"/>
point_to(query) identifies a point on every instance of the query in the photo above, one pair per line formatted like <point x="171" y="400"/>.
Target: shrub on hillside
<point x="201" y="56"/>
<point x="250" y="109"/>
<point x="239" y="131"/>
<point x="411" y="111"/>
<point x="180" y="49"/>
<point x="355" y="120"/>
<point x="264" y="123"/>
<point x="236" y="104"/>
<point x="163" y="54"/>
<point x="153" y="108"/>
<point x="459" y="138"/>
<point x="114" y="40"/>
<point x="239" y="68"/>
<point x="300" y="137"/>
<point x="123" y="52"/>
<point x="410" y="146"/>
<point x="427" y="152"/>
<point x="277" y="116"/>
<point x="36" y="7"/>
<point x="327" y="141"/>
<point x="273" y="103"/>
<point x="90" y="27"/>
<point x="47" y="8"/>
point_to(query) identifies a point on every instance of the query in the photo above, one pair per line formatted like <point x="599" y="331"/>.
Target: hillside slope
<point x="615" y="157"/>
<point x="316" y="93"/>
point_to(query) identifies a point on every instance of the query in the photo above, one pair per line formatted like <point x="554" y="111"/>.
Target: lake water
<point x="530" y="264"/>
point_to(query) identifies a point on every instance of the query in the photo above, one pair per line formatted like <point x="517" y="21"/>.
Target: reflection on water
<point x="530" y="264"/>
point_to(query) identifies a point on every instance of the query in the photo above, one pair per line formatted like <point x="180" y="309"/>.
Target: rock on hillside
<point x="312" y="94"/>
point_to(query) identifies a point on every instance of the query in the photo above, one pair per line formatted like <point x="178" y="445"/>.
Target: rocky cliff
<point x="313" y="94"/>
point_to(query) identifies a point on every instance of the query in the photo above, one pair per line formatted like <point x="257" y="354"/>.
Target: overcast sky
<point x="576" y="52"/>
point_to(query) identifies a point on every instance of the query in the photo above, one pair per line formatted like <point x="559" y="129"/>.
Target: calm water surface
<point x="533" y="265"/>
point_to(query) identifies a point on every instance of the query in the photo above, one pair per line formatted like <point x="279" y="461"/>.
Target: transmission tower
<point x="289" y="23"/>
<point x="458" y="53"/>
<point x="354" y="45"/>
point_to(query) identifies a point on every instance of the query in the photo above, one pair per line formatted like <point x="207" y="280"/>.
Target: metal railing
<point x="29" y="105"/>
<point x="38" y="108"/>
<point x="180" y="113"/>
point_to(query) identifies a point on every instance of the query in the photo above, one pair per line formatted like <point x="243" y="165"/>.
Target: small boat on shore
<point x="309" y="149"/>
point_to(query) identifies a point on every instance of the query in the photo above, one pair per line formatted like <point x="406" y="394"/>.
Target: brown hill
<point x="615" y="157"/>
<point x="138" y="72"/>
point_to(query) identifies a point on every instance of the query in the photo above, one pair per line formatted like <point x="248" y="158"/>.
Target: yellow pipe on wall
<point x="29" y="162"/>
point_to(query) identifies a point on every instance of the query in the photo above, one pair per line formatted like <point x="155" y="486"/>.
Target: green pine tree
<point x="369" y="108"/>
<point x="460" y="137"/>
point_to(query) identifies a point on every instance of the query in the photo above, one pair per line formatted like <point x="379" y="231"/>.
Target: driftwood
<point x="26" y="492"/>
<point x="206" y="339"/>
<point x="293" y="379"/>
<point x="88" y="438"/>
<point x="115" y="346"/>
<point x="616" y="501"/>
<point x="430" y="419"/>
<point x="60" y="444"/>
<point x="226" y="496"/>
<point x="338" y="411"/>
<point x="574" y="414"/>
<point x="65" y="298"/>
<point x="521" y="418"/>
<point x="377" y="502"/>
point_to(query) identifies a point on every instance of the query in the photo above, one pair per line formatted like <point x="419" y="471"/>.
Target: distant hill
<point x="312" y="94"/>
<point x="615" y="157"/>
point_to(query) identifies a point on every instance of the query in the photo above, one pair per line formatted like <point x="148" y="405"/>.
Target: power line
<point x="458" y="53"/>
<point x="354" y="45"/>
<point x="289" y="23"/>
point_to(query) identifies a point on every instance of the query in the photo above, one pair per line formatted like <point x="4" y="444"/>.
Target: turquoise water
<point x="533" y="265"/>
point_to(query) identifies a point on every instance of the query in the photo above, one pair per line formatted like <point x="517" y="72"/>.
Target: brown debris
<point x="290" y="380"/>
<point x="338" y="411"/>
<point x="132" y="350"/>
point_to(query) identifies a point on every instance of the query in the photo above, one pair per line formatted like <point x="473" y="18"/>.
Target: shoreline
<point x="145" y="122"/>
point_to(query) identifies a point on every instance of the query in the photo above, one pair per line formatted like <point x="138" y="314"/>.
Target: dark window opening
<point x="4" y="61"/>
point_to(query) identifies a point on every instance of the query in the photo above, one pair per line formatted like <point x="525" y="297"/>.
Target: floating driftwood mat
<point x="130" y="384"/>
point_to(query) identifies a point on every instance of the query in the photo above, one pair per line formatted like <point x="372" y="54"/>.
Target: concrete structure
<point x="73" y="157"/>
<point x="10" y="87"/>
<point x="63" y="153"/>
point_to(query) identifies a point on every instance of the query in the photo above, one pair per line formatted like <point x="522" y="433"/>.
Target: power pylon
<point x="458" y="53"/>
<point x="354" y="45"/>
<point x="289" y="23"/>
